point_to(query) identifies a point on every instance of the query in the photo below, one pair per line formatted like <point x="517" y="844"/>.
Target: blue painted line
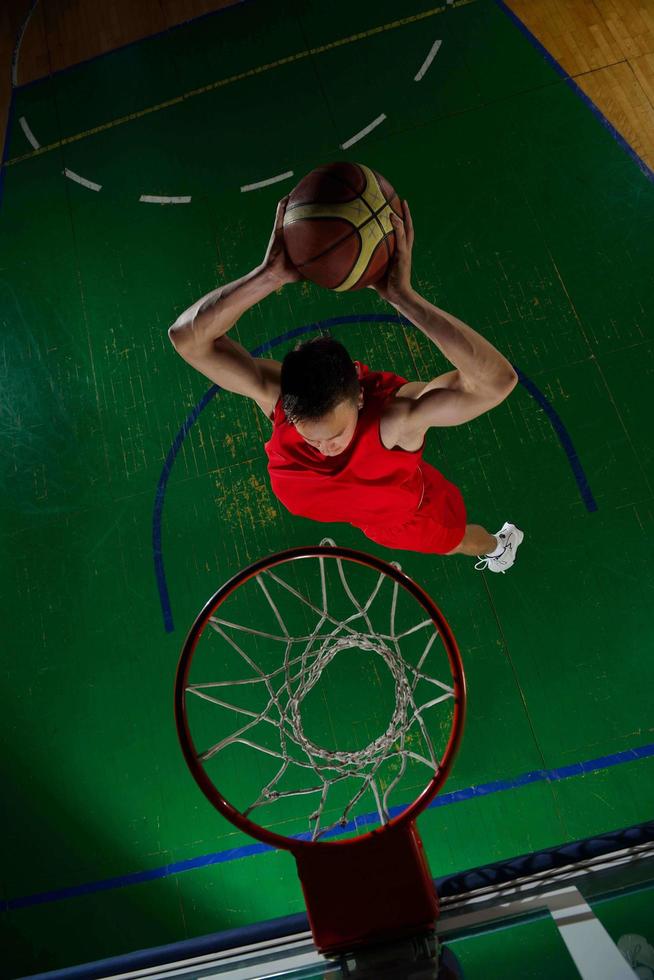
<point x="564" y="439"/>
<point x="157" y="551"/>
<point x="136" y="878"/>
<point x="570" y="82"/>
<point x="250" y="850"/>
<point x="546" y="775"/>
<point x="157" y="548"/>
<point x="537" y="395"/>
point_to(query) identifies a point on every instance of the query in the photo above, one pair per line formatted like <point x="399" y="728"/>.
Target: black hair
<point x="316" y="377"/>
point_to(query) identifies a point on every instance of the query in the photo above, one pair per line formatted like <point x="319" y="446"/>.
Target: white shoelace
<point x="485" y="560"/>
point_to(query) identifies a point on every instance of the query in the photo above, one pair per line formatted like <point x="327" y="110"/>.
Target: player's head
<point x="321" y="394"/>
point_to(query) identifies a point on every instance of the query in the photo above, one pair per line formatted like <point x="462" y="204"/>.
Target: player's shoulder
<point x="399" y="424"/>
<point x="395" y="423"/>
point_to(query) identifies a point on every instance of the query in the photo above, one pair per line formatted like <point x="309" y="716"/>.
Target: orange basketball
<point x="337" y="226"/>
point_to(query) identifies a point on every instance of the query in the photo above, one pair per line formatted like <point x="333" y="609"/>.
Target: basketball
<point x="337" y="226"/>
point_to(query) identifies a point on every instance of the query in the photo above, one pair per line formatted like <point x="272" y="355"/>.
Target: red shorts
<point x="437" y="527"/>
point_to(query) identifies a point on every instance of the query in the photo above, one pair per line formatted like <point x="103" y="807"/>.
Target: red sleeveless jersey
<point x="392" y="495"/>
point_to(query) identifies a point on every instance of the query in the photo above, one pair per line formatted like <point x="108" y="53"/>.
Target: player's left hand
<point x="396" y="281"/>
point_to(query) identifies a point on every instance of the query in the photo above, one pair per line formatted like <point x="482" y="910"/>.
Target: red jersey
<point x="392" y="495"/>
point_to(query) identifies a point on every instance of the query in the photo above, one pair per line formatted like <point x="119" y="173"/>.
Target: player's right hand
<point x="276" y="261"/>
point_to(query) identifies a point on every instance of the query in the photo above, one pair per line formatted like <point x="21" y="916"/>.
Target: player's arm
<point x="483" y="377"/>
<point x="199" y="334"/>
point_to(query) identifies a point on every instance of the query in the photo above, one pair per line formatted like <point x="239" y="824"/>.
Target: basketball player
<point x="347" y="442"/>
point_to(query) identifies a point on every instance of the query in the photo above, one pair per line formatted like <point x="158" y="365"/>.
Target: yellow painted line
<point x="391" y="26"/>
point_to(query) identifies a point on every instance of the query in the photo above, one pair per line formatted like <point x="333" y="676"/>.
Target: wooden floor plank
<point x="604" y="45"/>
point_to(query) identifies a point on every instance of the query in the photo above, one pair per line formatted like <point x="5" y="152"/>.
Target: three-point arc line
<point x="186" y="199"/>
<point x="157" y="548"/>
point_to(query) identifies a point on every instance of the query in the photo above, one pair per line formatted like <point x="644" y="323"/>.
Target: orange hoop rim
<point x="211" y="791"/>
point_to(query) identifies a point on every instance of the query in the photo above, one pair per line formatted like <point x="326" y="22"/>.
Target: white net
<point x="278" y="705"/>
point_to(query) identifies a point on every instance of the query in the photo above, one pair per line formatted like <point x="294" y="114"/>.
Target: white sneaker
<point x="509" y="538"/>
<point x="638" y="954"/>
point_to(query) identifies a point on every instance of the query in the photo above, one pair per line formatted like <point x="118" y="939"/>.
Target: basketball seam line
<point x="373" y="214"/>
<point x="340" y="240"/>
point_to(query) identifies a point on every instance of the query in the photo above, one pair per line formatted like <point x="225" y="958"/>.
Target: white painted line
<point x="428" y="60"/>
<point x="364" y="132"/>
<point x="242" y="962"/>
<point x="82" y="180"/>
<point x="19" y="41"/>
<point x="266" y="183"/>
<point x="594" y="953"/>
<point x="153" y="199"/>
<point x="24" y="125"/>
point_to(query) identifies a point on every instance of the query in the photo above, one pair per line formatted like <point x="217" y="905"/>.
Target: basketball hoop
<point x="361" y="885"/>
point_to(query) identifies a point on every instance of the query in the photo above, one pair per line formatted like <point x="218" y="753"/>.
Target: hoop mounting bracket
<point x="379" y="889"/>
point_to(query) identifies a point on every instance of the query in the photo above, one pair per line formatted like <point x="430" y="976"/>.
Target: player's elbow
<point x="179" y="335"/>
<point x="511" y="380"/>
<point x="505" y="383"/>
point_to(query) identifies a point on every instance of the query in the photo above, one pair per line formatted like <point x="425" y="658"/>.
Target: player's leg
<point x="495" y="551"/>
<point x="476" y="541"/>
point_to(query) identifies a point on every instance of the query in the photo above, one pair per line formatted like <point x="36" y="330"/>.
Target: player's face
<point x="332" y="433"/>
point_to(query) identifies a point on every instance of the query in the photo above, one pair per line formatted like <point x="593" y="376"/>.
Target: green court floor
<point x="533" y="224"/>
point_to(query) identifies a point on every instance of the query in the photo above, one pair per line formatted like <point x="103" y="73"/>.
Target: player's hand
<point x="276" y="261"/>
<point x="396" y="281"/>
